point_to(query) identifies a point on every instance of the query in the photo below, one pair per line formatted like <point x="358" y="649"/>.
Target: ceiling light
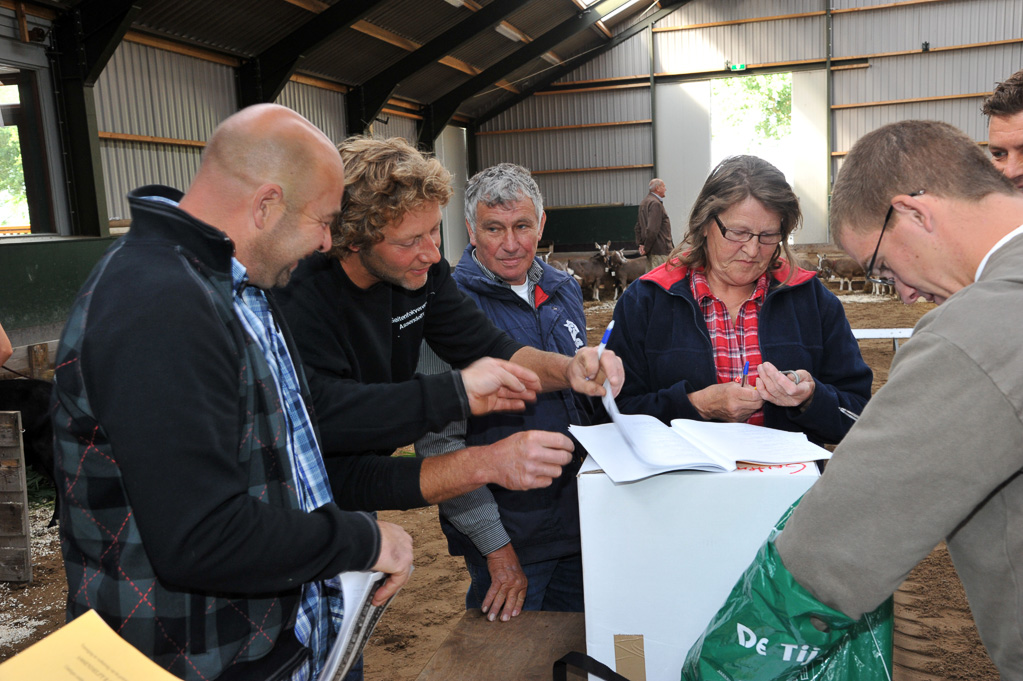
<point x="455" y="3"/>
<point x="619" y="10"/>
<point x="550" y="58"/>
<point x="507" y="32"/>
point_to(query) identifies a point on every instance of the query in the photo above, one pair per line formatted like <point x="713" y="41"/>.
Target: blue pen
<point x="604" y="339"/>
<point x="603" y="343"/>
<point x="745" y="374"/>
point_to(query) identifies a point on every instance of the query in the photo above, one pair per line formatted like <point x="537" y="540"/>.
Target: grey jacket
<point x="936" y="456"/>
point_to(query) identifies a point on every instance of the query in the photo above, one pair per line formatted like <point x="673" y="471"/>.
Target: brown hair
<point x="384" y="180"/>
<point x="1007" y="99"/>
<point x="905" y="157"/>
<point x="733" y="181"/>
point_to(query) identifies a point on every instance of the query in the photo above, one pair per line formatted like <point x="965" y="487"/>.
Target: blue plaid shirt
<point x="321" y="610"/>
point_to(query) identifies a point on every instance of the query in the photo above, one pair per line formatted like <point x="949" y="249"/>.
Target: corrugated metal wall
<point x="149" y="92"/>
<point x="770" y="42"/>
<point x="954" y="76"/>
<point x="146" y="91"/>
<point x="960" y="67"/>
<point x="632" y="58"/>
<point x="324" y="108"/>
<point x="396" y="126"/>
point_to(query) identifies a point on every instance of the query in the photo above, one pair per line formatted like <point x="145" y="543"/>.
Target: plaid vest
<point x="192" y="634"/>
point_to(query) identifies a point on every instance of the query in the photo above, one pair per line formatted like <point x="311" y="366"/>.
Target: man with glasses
<point x="938" y="453"/>
<point x="1004" y="109"/>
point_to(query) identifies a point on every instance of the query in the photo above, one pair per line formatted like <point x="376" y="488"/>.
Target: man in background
<point x="653" y="228"/>
<point x="521" y="548"/>
<point x="196" y="518"/>
<point x="1004" y="109"/>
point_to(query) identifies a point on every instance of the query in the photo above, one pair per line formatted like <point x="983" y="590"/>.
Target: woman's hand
<point x="726" y="402"/>
<point x="778" y="387"/>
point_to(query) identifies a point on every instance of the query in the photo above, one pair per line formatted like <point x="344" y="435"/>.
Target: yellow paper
<point x="84" y="650"/>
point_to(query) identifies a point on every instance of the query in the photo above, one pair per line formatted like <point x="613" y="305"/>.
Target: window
<point x="24" y="188"/>
<point x="753" y="115"/>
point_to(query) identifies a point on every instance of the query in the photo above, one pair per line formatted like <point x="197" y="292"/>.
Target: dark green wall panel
<point x="39" y="279"/>
<point x="579" y="228"/>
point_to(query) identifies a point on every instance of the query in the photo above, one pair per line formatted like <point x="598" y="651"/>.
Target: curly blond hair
<point x="385" y="179"/>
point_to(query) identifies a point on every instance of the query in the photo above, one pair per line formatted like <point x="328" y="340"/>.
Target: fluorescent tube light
<point x="508" y="33"/>
<point x="621" y="9"/>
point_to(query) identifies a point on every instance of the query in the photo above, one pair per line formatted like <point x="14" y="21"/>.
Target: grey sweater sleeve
<point x="913" y="471"/>
<point x="474" y="514"/>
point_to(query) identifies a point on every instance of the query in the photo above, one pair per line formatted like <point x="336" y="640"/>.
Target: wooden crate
<point x="15" y="531"/>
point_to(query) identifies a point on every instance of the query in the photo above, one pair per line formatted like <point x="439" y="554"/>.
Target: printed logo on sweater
<point x="574" y="330"/>
<point x="410" y="317"/>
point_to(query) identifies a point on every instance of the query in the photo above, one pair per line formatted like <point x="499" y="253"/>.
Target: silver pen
<point x="851" y="414"/>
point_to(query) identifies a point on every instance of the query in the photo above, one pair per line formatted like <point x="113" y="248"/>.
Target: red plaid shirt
<point x="734" y="342"/>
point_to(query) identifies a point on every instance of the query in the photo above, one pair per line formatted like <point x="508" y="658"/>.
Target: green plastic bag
<point x="772" y="629"/>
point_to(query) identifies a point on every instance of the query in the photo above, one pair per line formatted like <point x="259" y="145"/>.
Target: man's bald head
<point x="269" y="143"/>
<point x="272" y="182"/>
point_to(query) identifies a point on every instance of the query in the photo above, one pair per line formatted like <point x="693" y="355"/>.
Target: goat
<point x="556" y="264"/>
<point x="593" y="272"/>
<point x="625" y="271"/>
<point x="32" y="398"/>
<point x="809" y="261"/>
<point x="877" y="289"/>
<point x="845" y="269"/>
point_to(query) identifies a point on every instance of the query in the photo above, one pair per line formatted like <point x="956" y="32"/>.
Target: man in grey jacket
<point x="653" y="228"/>
<point x="938" y="452"/>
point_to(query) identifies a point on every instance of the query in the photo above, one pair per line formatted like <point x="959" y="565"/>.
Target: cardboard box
<point x="660" y="556"/>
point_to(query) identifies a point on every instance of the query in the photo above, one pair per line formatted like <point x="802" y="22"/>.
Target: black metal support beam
<point x="441" y="110"/>
<point x="262" y="78"/>
<point x="85" y="38"/>
<point x="559" y="72"/>
<point x="363" y="103"/>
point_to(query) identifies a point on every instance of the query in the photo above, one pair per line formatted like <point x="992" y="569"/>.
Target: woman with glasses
<point x="728" y="330"/>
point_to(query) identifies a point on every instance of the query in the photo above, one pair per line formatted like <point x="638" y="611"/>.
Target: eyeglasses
<point x="870" y="276"/>
<point x="742" y="236"/>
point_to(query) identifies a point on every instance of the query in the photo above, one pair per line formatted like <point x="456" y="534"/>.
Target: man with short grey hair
<point x="653" y="228"/>
<point x="521" y="548"/>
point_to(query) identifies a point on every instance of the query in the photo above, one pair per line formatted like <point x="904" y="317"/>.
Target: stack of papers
<point x="637" y="446"/>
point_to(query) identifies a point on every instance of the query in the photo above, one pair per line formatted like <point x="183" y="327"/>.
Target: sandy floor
<point x="935" y="636"/>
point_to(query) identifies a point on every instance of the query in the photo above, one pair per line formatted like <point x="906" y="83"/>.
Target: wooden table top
<point x="522" y="649"/>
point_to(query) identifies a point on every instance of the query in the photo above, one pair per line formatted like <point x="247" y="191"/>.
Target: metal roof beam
<point x="563" y="70"/>
<point x="89" y="33"/>
<point x="440" y="111"/>
<point x="85" y="38"/>
<point x="262" y="78"/>
<point x="364" y="102"/>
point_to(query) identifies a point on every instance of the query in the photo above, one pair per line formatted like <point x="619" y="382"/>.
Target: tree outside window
<point x="13" y="199"/>
<point x="753" y="115"/>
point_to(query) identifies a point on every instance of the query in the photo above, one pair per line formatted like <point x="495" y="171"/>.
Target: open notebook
<point x="636" y="446"/>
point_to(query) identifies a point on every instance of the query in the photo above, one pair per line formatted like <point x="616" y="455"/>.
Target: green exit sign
<point x="737" y="67"/>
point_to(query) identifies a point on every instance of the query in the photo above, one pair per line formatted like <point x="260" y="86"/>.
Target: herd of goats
<point x="612" y="271"/>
